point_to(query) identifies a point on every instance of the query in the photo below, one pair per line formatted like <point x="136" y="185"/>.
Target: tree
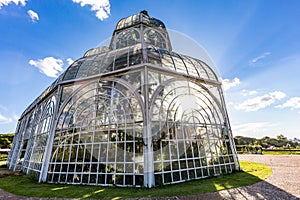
<point x="6" y="141"/>
<point x="281" y="137"/>
<point x="280" y="142"/>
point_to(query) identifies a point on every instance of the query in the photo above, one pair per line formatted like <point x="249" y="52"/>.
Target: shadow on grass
<point x="197" y="189"/>
<point x="239" y="189"/>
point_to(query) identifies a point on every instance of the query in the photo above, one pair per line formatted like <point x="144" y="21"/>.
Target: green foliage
<point x="3" y="157"/>
<point x="247" y="144"/>
<point x="6" y="140"/>
<point x="241" y="140"/>
<point x="22" y="185"/>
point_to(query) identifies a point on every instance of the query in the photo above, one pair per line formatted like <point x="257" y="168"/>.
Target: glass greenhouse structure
<point x="135" y="113"/>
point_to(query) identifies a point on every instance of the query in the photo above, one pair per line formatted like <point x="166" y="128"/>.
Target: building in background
<point x="131" y="114"/>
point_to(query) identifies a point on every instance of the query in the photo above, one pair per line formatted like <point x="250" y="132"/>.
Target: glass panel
<point x="85" y="67"/>
<point x="154" y="56"/>
<point x="102" y="126"/>
<point x="96" y="66"/>
<point x="201" y="71"/>
<point x="135" y="56"/>
<point x="210" y="73"/>
<point x="190" y="66"/>
<point x="121" y="59"/>
<point x="154" y="38"/>
<point x="167" y="59"/>
<point x="180" y="67"/>
<point x="72" y="70"/>
<point x="127" y="38"/>
<point x="108" y="62"/>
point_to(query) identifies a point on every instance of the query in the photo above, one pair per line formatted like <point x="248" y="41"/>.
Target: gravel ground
<point x="284" y="183"/>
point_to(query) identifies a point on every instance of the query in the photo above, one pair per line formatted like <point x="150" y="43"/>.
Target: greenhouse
<point x="134" y="113"/>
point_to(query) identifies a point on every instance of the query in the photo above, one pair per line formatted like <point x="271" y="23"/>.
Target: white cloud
<point x="6" y="2"/>
<point x="5" y="120"/>
<point x="70" y="61"/>
<point x="260" y="57"/>
<point x="33" y="15"/>
<point x="227" y="84"/>
<point x="260" y="101"/>
<point x="15" y="117"/>
<point x="250" y="128"/>
<point x="102" y="7"/>
<point x="49" y="66"/>
<point x="248" y="92"/>
<point x="292" y="103"/>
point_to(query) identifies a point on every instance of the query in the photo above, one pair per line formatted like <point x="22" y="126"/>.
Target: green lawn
<point x="287" y="152"/>
<point x="22" y="185"/>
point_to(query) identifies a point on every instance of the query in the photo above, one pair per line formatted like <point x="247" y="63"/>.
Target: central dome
<point x="138" y="39"/>
<point x="135" y="113"/>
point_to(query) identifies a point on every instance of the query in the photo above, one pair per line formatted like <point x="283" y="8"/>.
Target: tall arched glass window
<point x="154" y="38"/>
<point x="127" y="38"/>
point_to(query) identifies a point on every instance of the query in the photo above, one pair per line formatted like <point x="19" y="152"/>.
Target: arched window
<point x="154" y="38"/>
<point x="99" y="131"/>
<point x="127" y="38"/>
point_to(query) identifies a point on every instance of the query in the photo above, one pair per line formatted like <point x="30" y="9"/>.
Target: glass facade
<point x="135" y="113"/>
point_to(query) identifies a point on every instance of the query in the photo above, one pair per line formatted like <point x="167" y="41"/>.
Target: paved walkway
<point x="283" y="184"/>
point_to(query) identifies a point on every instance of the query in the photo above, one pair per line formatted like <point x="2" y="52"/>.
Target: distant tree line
<point x="246" y="144"/>
<point x="280" y="142"/>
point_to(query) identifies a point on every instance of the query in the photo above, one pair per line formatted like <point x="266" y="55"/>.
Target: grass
<point x="287" y="152"/>
<point x="22" y="185"/>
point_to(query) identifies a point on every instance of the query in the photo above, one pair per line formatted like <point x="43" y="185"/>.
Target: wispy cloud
<point x="15" y="117"/>
<point x="253" y="127"/>
<point x="260" y="57"/>
<point x="49" y="66"/>
<point x="293" y="103"/>
<point x="227" y="83"/>
<point x="248" y="92"/>
<point x="260" y="102"/>
<point x="6" y="2"/>
<point x="5" y="120"/>
<point x="33" y="15"/>
<point x="102" y="7"/>
<point x="70" y="61"/>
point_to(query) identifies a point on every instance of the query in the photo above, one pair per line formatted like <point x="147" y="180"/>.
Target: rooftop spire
<point x="145" y="12"/>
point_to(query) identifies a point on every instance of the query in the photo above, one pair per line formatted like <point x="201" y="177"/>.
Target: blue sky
<point x="254" y="44"/>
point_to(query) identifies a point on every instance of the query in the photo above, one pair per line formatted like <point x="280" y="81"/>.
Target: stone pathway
<point x="283" y="184"/>
<point x="286" y="171"/>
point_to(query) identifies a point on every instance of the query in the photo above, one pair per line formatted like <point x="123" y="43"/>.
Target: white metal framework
<point x="132" y="114"/>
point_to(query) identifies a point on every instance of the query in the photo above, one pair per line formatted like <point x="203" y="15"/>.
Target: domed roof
<point x="141" y="17"/>
<point x="116" y="60"/>
<point x="138" y="39"/>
